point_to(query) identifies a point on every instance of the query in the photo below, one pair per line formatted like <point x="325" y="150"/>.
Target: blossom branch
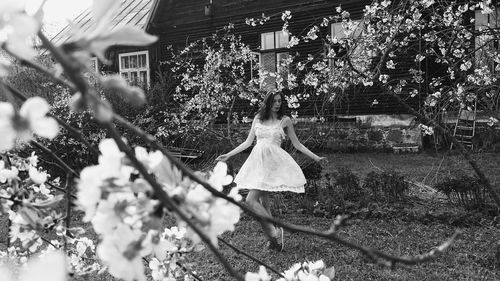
<point x="71" y="67"/>
<point x="167" y="201"/>
<point x="329" y="235"/>
<point x="75" y="132"/>
<point x="241" y="252"/>
<point x="482" y="177"/>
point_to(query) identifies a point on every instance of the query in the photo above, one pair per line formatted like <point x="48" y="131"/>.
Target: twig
<point x="439" y="168"/>
<point x="73" y="131"/>
<point x="167" y="201"/>
<point x="41" y="69"/>
<point x="439" y="127"/>
<point x="68" y="210"/>
<point x="241" y="252"/>
<point x="71" y="68"/>
<point x="56" y="158"/>
<point x="374" y="165"/>
<point x="48" y="242"/>
<point x="373" y="253"/>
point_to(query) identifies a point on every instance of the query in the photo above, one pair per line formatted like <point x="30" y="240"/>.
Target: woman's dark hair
<point x="265" y="109"/>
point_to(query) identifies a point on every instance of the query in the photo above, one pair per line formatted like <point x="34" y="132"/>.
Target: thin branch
<point x="73" y="131"/>
<point x="241" y="252"/>
<point x="68" y="209"/>
<point x="41" y="69"/>
<point x="56" y="158"/>
<point x="482" y="177"/>
<point x="16" y="201"/>
<point x="373" y="253"/>
<point x="70" y="66"/>
<point x="167" y="201"/>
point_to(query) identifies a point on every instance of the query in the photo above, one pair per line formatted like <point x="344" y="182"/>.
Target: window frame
<point x="95" y="62"/>
<point x="493" y="21"/>
<point x="276" y="42"/>
<point x="356" y="33"/>
<point x="137" y="69"/>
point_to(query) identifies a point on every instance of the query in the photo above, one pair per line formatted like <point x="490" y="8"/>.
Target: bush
<point x="386" y="185"/>
<point x="464" y="191"/>
<point x="348" y="183"/>
<point x="67" y="147"/>
<point x="333" y="194"/>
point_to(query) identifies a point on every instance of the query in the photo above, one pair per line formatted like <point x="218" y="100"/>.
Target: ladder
<point x="465" y="127"/>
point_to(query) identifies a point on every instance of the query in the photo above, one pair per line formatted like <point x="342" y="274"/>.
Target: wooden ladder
<point x="465" y="127"/>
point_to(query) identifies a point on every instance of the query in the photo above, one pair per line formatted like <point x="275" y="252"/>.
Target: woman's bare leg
<point x="254" y="199"/>
<point x="265" y="200"/>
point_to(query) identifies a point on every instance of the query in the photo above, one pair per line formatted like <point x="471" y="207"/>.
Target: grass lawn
<point x="410" y="228"/>
<point x="474" y="256"/>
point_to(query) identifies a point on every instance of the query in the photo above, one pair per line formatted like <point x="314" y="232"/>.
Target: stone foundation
<point x="350" y="133"/>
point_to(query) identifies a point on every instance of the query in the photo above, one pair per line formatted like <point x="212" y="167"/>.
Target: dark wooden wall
<point x="179" y="22"/>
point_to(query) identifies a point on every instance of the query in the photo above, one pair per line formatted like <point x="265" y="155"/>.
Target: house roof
<point x="131" y="12"/>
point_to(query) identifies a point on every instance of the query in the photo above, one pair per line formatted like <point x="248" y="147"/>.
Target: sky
<point x="58" y="12"/>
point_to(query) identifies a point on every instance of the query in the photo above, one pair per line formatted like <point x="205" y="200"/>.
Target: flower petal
<point x="34" y="108"/>
<point x="45" y="127"/>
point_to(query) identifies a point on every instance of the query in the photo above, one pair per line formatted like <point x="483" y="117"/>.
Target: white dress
<point x="269" y="167"/>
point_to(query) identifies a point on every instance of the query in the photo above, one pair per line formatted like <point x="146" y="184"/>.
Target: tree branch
<point x="329" y="235"/>
<point x="167" y="201"/>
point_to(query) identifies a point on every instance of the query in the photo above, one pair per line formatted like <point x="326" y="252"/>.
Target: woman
<point x="269" y="168"/>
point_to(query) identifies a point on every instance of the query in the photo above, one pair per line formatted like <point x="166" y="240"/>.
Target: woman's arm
<point x="295" y="141"/>
<point x="244" y="145"/>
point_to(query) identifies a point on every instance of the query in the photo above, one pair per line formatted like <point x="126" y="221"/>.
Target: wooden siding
<point x="180" y="22"/>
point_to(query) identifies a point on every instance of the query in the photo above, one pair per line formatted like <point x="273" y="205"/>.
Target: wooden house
<point x="177" y="23"/>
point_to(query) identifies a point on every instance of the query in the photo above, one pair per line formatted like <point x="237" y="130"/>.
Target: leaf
<point x="126" y="35"/>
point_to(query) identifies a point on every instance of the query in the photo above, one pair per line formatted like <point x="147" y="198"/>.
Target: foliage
<point x="348" y="183"/>
<point x="386" y="185"/>
<point x="32" y="82"/>
<point x="333" y="194"/>
<point x="464" y="191"/>
<point x="66" y="145"/>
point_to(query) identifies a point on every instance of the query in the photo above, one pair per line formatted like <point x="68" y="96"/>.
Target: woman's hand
<point x="222" y="158"/>
<point x="321" y="159"/>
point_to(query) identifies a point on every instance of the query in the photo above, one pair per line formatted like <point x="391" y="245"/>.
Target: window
<point x="134" y="67"/>
<point x="340" y="31"/>
<point x="273" y="40"/>
<point x="487" y="50"/>
<point x="271" y="59"/>
<point x="360" y="57"/>
<point x="94" y="64"/>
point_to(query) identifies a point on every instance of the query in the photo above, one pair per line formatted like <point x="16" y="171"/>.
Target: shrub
<point x="348" y="183"/>
<point x="386" y="185"/>
<point x="464" y="191"/>
<point x="312" y="172"/>
<point x="69" y="149"/>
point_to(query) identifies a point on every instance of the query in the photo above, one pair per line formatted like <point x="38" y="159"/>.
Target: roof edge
<point x="151" y="14"/>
